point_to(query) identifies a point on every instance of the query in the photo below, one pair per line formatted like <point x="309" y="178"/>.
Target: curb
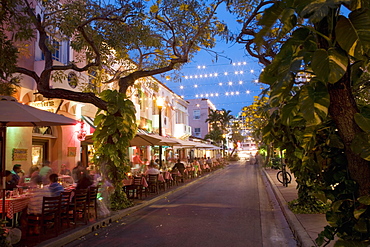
<point x="299" y="232"/>
<point x="68" y="237"/>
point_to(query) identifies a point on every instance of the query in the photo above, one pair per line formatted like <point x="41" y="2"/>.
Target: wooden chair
<point x="78" y="206"/>
<point x="175" y="178"/>
<point x="64" y="207"/>
<point x="153" y="184"/>
<point x="92" y="201"/>
<point x="136" y="189"/>
<point x="50" y="214"/>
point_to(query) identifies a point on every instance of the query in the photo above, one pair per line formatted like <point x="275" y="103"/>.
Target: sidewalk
<point x="305" y="227"/>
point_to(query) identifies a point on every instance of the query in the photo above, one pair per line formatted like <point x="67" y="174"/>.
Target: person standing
<point x="45" y="172"/>
<point x="137" y="163"/>
<point x="180" y="167"/>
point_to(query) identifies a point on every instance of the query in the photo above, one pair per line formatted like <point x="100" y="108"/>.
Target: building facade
<point x="199" y="110"/>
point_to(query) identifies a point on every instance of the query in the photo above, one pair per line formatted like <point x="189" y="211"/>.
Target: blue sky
<point x="230" y="83"/>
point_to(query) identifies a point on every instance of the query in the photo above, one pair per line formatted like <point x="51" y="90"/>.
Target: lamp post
<point x="160" y="106"/>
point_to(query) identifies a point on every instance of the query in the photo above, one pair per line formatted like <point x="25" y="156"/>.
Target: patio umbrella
<point x="15" y="114"/>
<point x="167" y="141"/>
<point x="145" y="140"/>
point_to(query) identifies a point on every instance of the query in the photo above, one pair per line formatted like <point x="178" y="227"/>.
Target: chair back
<point x="153" y="178"/>
<point x="80" y="197"/>
<point x="51" y="205"/>
<point x="65" y="200"/>
<point x="93" y="193"/>
<point x="137" y="181"/>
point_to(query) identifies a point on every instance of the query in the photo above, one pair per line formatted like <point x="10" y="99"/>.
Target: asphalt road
<point x="231" y="207"/>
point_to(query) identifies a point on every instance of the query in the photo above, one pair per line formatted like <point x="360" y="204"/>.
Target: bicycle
<point x="283" y="176"/>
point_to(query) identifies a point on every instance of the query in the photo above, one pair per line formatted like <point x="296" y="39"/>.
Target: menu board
<point x="71" y="151"/>
<point x="19" y="154"/>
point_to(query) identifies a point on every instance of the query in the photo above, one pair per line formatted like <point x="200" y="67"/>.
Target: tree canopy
<point x="118" y="41"/>
<point x="316" y="55"/>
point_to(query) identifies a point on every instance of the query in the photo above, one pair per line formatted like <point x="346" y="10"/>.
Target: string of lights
<point x="231" y="86"/>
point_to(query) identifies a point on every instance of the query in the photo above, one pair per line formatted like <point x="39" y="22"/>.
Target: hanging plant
<point x="115" y="128"/>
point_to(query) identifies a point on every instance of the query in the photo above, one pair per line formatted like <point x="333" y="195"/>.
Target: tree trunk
<point x="342" y="110"/>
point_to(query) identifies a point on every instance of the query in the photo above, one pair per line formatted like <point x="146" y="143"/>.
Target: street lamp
<point x="160" y="104"/>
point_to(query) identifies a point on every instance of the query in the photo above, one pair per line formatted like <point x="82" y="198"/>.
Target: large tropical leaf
<point x="314" y="102"/>
<point x="353" y="33"/>
<point x="318" y="9"/>
<point x="363" y="122"/>
<point x="329" y="66"/>
<point x="289" y="111"/>
<point x="270" y="17"/>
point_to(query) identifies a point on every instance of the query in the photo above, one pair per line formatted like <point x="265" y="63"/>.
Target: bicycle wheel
<point x="279" y="176"/>
<point x="288" y="177"/>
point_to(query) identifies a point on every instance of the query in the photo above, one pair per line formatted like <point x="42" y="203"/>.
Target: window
<point x="197" y="132"/>
<point x="54" y="48"/>
<point x="196" y="114"/>
<point x="72" y="80"/>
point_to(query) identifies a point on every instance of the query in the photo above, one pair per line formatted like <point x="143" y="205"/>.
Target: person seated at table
<point x="64" y="170"/>
<point x="25" y="180"/>
<point x="79" y="171"/>
<point x="17" y="168"/>
<point x="10" y="183"/>
<point x="180" y="167"/>
<point x="84" y="182"/>
<point x="36" y="200"/>
<point x="55" y="188"/>
<point x="152" y="168"/>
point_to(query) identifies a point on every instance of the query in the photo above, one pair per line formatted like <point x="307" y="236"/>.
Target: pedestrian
<point x="179" y="166"/>
<point x="45" y="172"/>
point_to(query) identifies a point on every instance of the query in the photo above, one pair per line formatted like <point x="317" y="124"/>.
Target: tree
<point x="331" y="50"/>
<point x="117" y="42"/>
<point x="235" y="137"/>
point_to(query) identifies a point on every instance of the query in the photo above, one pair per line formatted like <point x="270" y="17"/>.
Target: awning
<point x="90" y="122"/>
<point x="145" y="140"/>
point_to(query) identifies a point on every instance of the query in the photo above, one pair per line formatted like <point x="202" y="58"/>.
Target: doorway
<point x="39" y="151"/>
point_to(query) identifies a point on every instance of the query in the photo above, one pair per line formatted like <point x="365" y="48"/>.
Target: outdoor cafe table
<point x="129" y="181"/>
<point x="14" y="205"/>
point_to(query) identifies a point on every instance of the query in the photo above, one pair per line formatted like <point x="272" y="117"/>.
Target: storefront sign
<point x="19" y="154"/>
<point x="71" y="151"/>
<point x="47" y="105"/>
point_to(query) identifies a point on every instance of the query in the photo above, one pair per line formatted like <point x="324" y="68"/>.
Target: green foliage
<point x="115" y="128"/>
<point x="315" y="207"/>
<point x="332" y="52"/>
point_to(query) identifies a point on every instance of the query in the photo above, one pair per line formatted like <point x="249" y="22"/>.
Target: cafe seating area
<point x="143" y="186"/>
<point x="76" y="208"/>
<point x="59" y="214"/>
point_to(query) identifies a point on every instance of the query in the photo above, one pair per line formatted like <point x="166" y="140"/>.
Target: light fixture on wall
<point x="81" y="133"/>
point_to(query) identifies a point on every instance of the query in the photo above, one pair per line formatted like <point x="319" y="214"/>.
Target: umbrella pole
<point x="3" y="150"/>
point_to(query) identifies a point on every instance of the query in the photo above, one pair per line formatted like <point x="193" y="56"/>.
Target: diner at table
<point x="55" y="188"/>
<point x="152" y="168"/>
<point x="10" y="182"/>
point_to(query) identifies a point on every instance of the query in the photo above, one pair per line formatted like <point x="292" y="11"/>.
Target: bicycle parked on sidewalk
<point x="283" y="176"/>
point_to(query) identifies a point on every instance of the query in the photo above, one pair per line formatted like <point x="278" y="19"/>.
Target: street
<point x="231" y="207"/>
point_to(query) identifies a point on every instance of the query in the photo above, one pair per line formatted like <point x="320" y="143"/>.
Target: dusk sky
<point x="230" y="83"/>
